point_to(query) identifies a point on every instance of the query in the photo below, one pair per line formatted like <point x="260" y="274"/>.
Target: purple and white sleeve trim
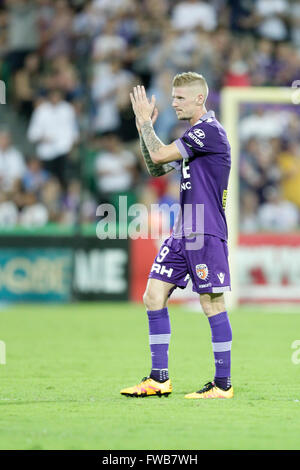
<point x="181" y="148"/>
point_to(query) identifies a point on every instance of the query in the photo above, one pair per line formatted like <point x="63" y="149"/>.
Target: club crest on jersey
<point x="202" y="271"/>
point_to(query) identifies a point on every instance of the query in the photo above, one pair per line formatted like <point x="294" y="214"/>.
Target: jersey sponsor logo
<point x="199" y="133"/>
<point x="202" y="271"/>
<point x="196" y="139"/>
<point x="201" y="286"/>
<point x="221" y="277"/>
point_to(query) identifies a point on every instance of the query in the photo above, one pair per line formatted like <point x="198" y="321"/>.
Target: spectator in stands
<point x="53" y="128"/>
<point x="248" y="212"/>
<point x="115" y="169"/>
<point x="192" y="13"/>
<point x="267" y="169"/>
<point x="271" y="17"/>
<point x="109" y="43"/>
<point x="57" y="38"/>
<point x="65" y="77"/>
<point x="276" y="214"/>
<point x="88" y="22"/>
<point x="238" y="73"/>
<point x="177" y="51"/>
<point x="146" y="44"/>
<point x="258" y="166"/>
<point x="109" y="81"/>
<point x="261" y="123"/>
<point x="27" y="82"/>
<point x="110" y="7"/>
<point x="34" y="177"/>
<point x="12" y="165"/>
<point x="158" y="10"/>
<point x="289" y="164"/>
<point x="161" y="89"/>
<point x="9" y="214"/>
<point x="23" y="33"/>
<point x="71" y="203"/>
<point x="126" y="129"/>
<point x="240" y="12"/>
<point x="51" y="198"/>
<point x="20" y="187"/>
<point x="250" y="177"/>
<point x="34" y="215"/>
<point x="295" y="23"/>
<point x="86" y="25"/>
<point x="291" y="133"/>
<point x="286" y="65"/>
<point x="261" y="63"/>
<point x="3" y="32"/>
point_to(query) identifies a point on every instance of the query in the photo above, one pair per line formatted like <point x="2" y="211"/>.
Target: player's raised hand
<point x="153" y="119"/>
<point x="154" y="115"/>
<point x="142" y="107"/>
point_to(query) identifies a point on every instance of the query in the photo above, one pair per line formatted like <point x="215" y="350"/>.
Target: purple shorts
<point x="207" y="267"/>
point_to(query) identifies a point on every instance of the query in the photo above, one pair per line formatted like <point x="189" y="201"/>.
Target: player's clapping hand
<point x="144" y="109"/>
<point x="153" y="119"/>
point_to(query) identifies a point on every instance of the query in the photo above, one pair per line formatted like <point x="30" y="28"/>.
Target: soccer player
<point x="194" y="250"/>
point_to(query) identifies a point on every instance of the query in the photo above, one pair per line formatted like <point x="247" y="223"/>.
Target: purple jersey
<point x="204" y="178"/>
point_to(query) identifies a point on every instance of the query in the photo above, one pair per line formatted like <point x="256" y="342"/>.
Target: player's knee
<point x="212" y="304"/>
<point x="153" y="300"/>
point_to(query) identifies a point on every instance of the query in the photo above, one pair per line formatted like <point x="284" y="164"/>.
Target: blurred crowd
<point x="68" y="67"/>
<point x="269" y="168"/>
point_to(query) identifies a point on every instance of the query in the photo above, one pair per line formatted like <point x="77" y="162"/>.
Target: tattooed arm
<point x="159" y="152"/>
<point x="153" y="168"/>
<point x="144" y="111"/>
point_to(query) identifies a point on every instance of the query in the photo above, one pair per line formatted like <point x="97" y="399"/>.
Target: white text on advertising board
<point x="21" y="275"/>
<point x="100" y="271"/>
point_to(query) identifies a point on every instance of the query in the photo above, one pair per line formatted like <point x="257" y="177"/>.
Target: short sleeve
<point x="203" y="140"/>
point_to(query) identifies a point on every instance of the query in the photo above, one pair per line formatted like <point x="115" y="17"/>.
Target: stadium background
<point x="61" y="368"/>
<point x="93" y="53"/>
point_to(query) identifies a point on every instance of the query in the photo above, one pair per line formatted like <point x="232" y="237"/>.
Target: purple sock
<point x="159" y="339"/>
<point x="221" y="342"/>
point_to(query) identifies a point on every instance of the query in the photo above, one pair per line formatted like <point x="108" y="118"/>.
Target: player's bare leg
<point x="213" y="306"/>
<point x="156" y="294"/>
<point x="158" y="382"/>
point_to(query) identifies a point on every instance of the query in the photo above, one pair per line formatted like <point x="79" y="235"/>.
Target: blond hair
<point x="191" y="78"/>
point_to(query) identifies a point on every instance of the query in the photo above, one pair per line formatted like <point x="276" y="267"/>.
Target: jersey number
<point x="186" y="169"/>
<point x="163" y="253"/>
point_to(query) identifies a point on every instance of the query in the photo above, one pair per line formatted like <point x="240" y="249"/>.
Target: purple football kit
<point x="197" y="248"/>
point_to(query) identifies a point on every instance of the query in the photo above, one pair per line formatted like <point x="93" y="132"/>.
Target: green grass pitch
<point x="65" y="366"/>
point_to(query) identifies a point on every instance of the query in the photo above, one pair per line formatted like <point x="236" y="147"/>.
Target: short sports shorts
<point x="207" y="267"/>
